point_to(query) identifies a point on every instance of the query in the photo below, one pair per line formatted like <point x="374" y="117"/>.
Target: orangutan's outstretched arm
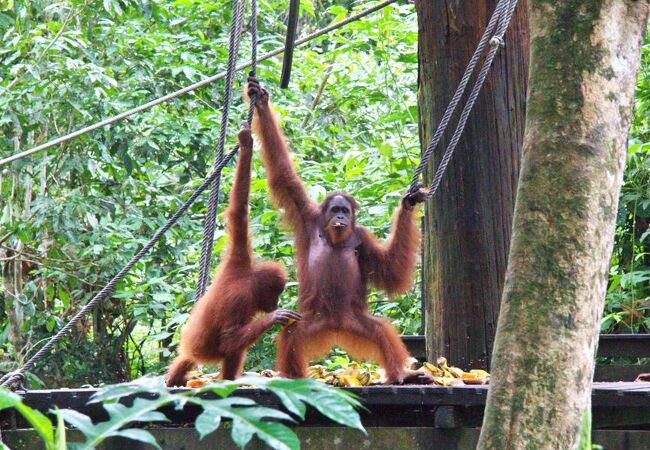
<point x="390" y="265"/>
<point x="239" y="246"/>
<point x="287" y="189"/>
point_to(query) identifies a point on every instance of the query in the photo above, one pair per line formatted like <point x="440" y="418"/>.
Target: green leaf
<point x="80" y="421"/>
<point x="277" y="435"/>
<point x="341" y="412"/>
<point x="206" y="423"/>
<point x="141" y="385"/>
<point x="333" y="403"/>
<point x="248" y="419"/>
<point x="59" y="435"/>
<point x="142" y="410"/>
<point x="8" y="399"/>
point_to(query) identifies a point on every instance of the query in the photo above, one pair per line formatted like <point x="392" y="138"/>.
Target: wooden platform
<point x="614" y="404"/>
<point x="398" y="417"/>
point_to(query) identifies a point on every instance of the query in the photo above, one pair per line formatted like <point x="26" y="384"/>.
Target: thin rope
<point x="495" y="43"/>
<point x="213" y="201"/>
<point x="192" y="87"/>
<point x="500" y="20"/>
<point x="11" y="378"/>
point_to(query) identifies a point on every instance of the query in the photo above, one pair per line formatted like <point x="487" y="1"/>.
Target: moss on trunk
<point x="584" y="59"/>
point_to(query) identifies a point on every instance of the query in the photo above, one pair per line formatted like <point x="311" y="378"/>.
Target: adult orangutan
<point x="221" y="325"/>
<point x="336" y="261"/>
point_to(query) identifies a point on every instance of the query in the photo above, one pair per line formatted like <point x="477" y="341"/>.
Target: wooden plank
<point x="609" y="345"/>
<point x="624" y="345"/>
<point x="370" y="395"/>
<point x="626" y="372"/>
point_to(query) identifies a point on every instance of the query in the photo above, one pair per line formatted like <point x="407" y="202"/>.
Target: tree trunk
<point x="584" y="60"/>
<point x="467" y="226"/>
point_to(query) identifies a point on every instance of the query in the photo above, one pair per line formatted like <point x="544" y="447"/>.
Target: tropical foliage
<point x="147" y="396"/>
<point x="627" y="309"/>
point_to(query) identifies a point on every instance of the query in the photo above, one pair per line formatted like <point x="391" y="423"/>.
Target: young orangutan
<point x="336" y="261"/>
<point x="220" y="327"/>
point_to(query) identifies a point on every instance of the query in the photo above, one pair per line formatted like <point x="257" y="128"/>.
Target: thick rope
<point x="500" y="20"/>
<point x="211" y="214"/>
<point x="192" y="87"/>
<point x="11" y="378"/>
<point x="253" y="71"/>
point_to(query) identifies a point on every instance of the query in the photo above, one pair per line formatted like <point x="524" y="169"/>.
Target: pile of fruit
<point x="356" y="374"/>
<point x="444" y="375"/>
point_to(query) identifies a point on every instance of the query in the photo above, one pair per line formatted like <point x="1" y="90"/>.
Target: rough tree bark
<point x="584" y="60"/>
<point x="467" y="227"/>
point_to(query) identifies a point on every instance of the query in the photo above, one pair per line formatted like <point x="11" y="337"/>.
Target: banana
<point x="364" y="378"/>
<point x="456" y="372"/>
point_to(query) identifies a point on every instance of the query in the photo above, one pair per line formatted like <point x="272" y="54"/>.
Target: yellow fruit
<point x="456" y="372"/>
<point x="350" y="381"/>
<point x="195" y="383"/>
<point x="469" y="376"/>
<point x="364" y="378"/>
<point x="446" y="381"/>
<point x="431" y="369"/>
<point x="353" y="369"/>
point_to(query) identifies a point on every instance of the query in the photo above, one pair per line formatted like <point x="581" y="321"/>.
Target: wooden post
<point x="467" y="225"/>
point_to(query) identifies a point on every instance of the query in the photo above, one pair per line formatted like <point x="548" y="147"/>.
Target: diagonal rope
<point x="12" y="378"/>
<point x="213" y="201"/>
<point x="493" y="35"/>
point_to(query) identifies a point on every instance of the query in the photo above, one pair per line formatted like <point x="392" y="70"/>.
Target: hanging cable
<point x="493" y="35"/>
<point x="210" y="216"/>
<point x="290" y="42"/>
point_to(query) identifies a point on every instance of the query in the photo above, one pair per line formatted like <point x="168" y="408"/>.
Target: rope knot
<point x="14" y="379"/>
<point x="497" y="41"/>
